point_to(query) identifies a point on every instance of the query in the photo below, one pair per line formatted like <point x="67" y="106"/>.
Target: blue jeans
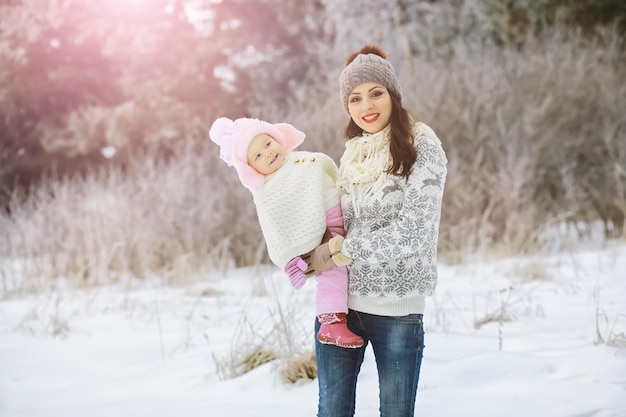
<point x="398" y="344"/>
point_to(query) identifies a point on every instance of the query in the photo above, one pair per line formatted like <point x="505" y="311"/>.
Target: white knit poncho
<point x="292" y="204"/>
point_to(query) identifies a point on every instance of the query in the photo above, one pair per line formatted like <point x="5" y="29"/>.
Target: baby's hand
<point x="295" y="271"/>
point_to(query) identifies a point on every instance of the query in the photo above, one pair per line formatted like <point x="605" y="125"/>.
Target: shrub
<point x="510" y="21"/>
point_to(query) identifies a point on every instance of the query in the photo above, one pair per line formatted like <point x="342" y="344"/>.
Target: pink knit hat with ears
<point x="234" y="137"/>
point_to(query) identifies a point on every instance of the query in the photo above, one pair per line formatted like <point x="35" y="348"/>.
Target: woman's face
<point x="370" y="106"/>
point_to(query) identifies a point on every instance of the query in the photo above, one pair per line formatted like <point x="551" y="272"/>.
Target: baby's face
<point x="265" y="154"/>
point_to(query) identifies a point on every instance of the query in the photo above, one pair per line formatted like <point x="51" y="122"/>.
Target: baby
<point x="298" y="207"/>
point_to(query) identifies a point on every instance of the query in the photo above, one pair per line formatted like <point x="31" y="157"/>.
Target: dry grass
<point x="174" y="219"/>
<point x="533" y="271"/>
<point x="535" y="137"/>
<point x="280" y="338"/>
<point x="302" y="367"/>
<point x="609" y="332"/>
<point x="252" y="358"/>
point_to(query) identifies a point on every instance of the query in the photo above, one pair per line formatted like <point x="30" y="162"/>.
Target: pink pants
<point x="332" y="291"/>
<point x="332" y="285"/>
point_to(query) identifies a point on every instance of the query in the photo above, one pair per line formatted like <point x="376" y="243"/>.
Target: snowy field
<point x="529" y="336"/>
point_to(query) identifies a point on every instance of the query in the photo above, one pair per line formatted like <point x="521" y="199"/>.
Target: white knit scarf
<point x="363" y="164"/>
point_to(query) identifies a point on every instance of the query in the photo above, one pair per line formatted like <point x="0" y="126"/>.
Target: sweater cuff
<point x="340" y="259"/>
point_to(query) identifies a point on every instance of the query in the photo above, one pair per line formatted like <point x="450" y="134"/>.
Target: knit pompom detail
<point x="367" y="49"/>
<point x="219" y="134"/>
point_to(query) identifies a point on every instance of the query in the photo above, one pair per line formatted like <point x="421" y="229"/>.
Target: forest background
<point x="106" y="170"/>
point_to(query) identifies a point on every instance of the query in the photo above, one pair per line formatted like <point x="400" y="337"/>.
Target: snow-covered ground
<point x="529" y="336"/>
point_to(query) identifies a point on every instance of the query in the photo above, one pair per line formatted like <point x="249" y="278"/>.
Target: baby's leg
<point x="332" y="291"/>
<point x="331" y="309"/>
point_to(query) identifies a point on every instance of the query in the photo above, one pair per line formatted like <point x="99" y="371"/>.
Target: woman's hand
<point x="326" y="256"/>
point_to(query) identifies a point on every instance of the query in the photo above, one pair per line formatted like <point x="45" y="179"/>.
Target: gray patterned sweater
<point x="392" y="236"/>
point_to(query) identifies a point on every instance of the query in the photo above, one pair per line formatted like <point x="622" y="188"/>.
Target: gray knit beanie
<point x="369" y="65"/>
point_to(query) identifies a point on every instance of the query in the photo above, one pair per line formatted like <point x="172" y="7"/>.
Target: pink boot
<point x="334" y="331"/>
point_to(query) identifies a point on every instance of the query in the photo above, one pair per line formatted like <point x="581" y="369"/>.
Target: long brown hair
<point x="403" y="154"/>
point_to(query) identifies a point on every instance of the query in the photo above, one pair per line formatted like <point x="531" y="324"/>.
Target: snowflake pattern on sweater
<point x="393" y="240"/>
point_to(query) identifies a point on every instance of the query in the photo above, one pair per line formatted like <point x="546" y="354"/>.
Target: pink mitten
<point x="295" y="270"/>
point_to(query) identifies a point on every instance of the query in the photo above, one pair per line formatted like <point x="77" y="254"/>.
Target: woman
<point x="391" y="176"/>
